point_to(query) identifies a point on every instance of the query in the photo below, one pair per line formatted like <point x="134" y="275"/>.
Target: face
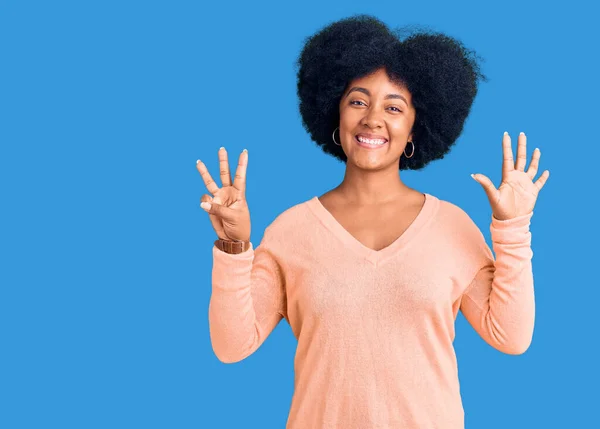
<point x="375" y="107"/>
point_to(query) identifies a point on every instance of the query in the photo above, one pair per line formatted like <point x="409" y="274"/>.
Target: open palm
<point x="517" y="193"/>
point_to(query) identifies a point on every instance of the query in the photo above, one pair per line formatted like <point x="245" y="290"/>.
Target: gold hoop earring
<point x="333" y="137"/>
<point x="413" y="150"/>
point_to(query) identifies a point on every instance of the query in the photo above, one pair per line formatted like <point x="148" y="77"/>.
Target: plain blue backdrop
<point x="106" y="258"/>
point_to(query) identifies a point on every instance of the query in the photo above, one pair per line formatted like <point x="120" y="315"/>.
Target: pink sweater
<point x="375" y="329"/>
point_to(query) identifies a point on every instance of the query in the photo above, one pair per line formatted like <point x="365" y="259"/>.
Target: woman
<point x="371" y="275"/>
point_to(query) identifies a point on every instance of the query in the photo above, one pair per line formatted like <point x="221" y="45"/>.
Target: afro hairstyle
<point x="438" y="71"/>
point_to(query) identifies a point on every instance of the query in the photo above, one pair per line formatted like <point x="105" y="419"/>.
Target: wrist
<point x="232" y="246"/>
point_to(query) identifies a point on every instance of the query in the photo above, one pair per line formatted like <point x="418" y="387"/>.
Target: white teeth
<point x="370" y="141"/>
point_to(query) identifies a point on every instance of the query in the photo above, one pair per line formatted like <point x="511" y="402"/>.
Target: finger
<point x="221" y="211"/>
<point x="240" y="173"/>
<point x="534" y="164"/>
<point x="487" y="185"/>
<point x="211" y="185"/>
<point x="521" y="152"/>
<point x="224" y="167"/>
<point x="508" y="163"/>
<point x="214" y="220"/>
<point x="542" y="180"/>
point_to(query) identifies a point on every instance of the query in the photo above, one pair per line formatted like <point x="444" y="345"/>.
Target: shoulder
<point x="457" y="223"/>
<point x="460" y="234"/>
<point x="290" y="223"/>
<point x="455" y="214"/>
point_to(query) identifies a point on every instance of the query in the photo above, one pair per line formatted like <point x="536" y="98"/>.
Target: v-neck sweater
<point x="375" y="328"/>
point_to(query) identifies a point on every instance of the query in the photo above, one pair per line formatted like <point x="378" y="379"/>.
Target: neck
<point x="372" y="187"/>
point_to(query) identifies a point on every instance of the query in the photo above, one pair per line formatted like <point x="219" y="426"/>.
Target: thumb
<point x="214" y="208"/>
<point x="487" y="185"/>
<point x="208" y="202"/>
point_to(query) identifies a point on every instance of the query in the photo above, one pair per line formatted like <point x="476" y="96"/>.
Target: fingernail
<point x="505" y="132"/>
<point x="245" y="150"/>
<point x="197" y="161"/>
<point x="473" y="176"/>
<point x="222" y="147"/>
<point x="522" y="133"/>
<point x="205" y="205"/>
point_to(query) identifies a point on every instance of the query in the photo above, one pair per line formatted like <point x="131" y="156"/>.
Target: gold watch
<point x="232" y="246"/>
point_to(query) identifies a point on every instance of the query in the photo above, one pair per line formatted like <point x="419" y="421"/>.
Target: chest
<point x="376" y="228"/>
<point x="348" y="293"/>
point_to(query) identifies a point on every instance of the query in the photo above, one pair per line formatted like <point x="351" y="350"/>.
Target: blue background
<point x="106" y="255"/>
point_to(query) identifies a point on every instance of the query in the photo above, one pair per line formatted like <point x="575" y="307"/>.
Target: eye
<point x="358" y="101"/>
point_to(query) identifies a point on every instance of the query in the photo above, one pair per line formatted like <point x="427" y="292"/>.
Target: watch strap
<point x="232" y="246"/>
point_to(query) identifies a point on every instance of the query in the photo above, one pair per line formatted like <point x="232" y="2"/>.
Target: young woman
<point x="371" y="275"/>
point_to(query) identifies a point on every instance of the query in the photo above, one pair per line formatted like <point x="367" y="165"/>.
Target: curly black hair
<point x="438" y="71"/>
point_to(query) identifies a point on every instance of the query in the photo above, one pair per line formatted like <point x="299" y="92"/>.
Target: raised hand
<point x="227" y="207"/>
<point x="517" y="193"/>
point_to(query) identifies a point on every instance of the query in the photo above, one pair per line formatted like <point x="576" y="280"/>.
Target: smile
<point x="370" y="145"/>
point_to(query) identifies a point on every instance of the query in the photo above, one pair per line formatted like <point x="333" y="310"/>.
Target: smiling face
<point x="373" y="106"/>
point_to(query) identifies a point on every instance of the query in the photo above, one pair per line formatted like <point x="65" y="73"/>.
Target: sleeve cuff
<point x="510" y="231"/>
<point x="229" y="268"/>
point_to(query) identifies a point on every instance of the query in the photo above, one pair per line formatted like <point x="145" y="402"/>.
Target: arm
<point x="247" y="300"/>
<point x="499" y="302"/>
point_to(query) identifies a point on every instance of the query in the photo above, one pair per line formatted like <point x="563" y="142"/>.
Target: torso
<point x="379" y="226"/>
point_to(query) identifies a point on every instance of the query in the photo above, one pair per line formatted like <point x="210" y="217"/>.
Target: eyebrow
<point x="366" y="91"/>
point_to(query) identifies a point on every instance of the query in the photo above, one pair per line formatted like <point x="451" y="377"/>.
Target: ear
<point x="412" y="129"/>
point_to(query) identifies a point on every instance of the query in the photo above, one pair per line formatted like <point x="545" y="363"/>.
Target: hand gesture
<point x="517" y="193"/>
<point x="227" y="207"/>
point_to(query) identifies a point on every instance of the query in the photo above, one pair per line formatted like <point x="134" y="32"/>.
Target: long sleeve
<point x="499" y="302"/>
<point x="247" y="300"/>
<point x="376" y="329"/>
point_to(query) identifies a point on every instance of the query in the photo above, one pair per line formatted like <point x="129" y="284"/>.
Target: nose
<point x="372" y="118"/>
